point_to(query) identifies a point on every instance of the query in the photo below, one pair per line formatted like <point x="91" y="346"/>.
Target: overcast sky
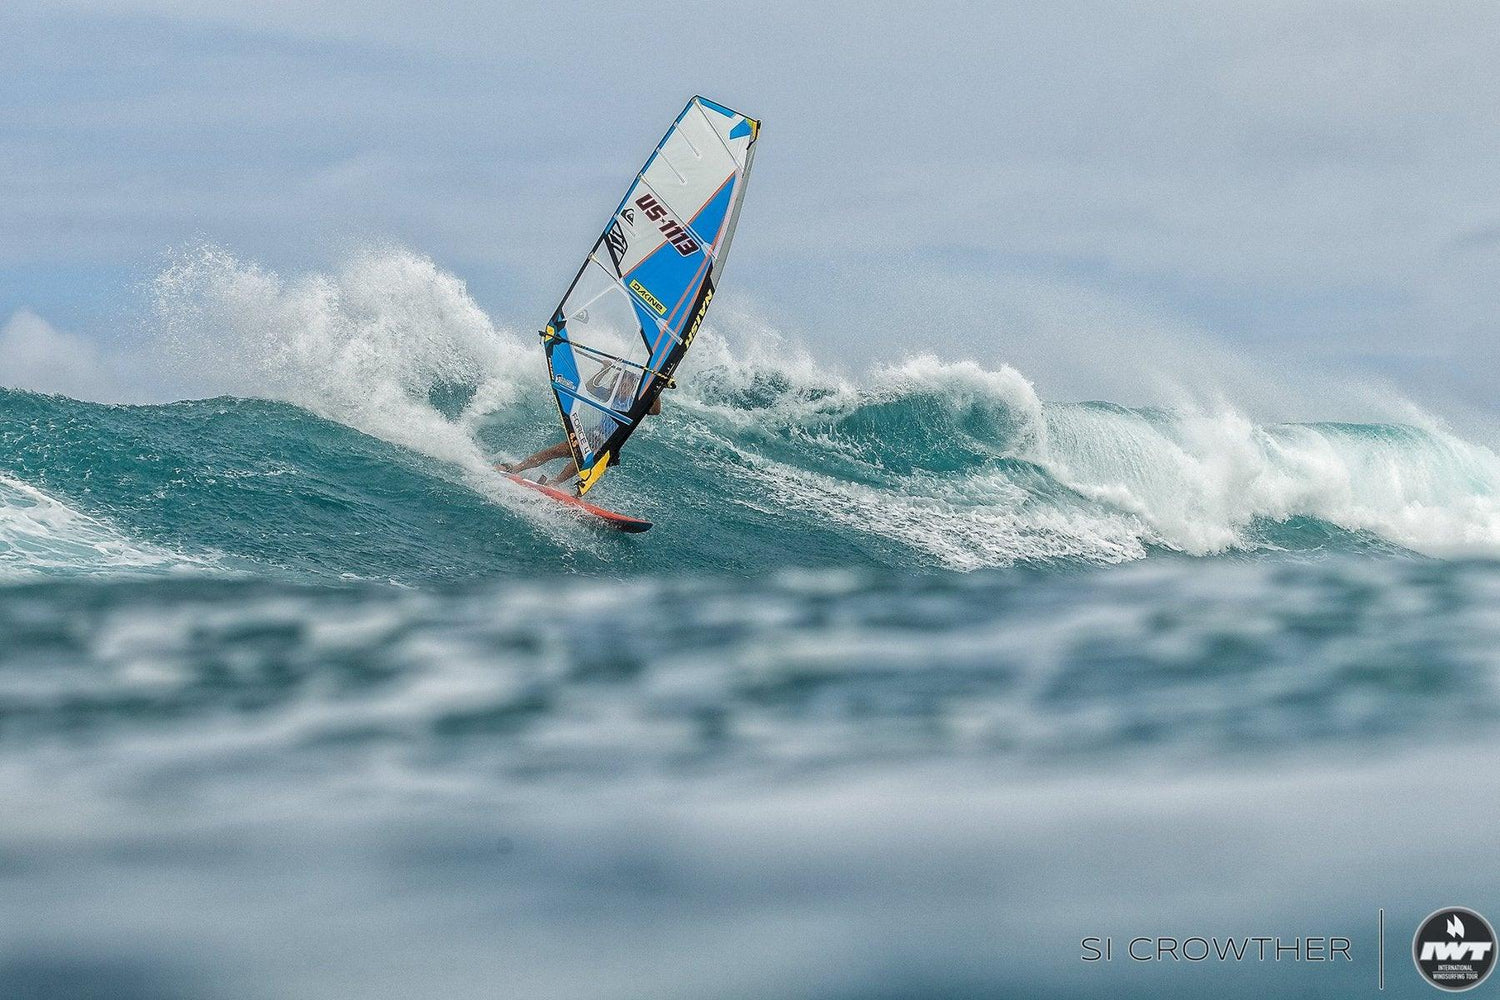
<point x="1055" y="185"/>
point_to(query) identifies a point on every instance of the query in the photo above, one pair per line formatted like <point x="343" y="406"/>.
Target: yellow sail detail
<point x="586" y="480"/>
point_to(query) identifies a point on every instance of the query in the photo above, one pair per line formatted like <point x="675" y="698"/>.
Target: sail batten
<point x="632" y="310"/>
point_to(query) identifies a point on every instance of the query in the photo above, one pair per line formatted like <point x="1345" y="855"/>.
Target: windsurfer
<point x="559" y="450"/>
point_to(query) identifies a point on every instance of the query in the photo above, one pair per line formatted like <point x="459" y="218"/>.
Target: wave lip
<point x="40" y="536"/>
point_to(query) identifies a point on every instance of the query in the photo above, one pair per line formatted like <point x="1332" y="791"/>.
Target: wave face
<point x="358" y="413"/>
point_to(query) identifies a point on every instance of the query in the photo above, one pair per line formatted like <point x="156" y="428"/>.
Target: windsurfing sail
<point x="632" y="311"/>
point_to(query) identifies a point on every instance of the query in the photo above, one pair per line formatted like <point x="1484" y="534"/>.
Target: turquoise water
<point x="917" y="681"/>
<point x="748" y="474"/>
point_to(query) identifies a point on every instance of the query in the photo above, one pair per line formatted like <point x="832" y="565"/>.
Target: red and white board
<point x="609" y="518"/>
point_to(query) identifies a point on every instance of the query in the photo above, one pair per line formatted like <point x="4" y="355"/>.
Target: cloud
<point x="36" y="355"/>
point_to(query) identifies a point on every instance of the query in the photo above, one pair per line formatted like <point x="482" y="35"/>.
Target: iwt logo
<point x="1454" y="949"/>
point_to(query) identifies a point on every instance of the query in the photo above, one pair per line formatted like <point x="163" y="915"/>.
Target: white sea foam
<point x="363" y="345"/>
<point x="1199" y="481"/>
<point x="42" y="536"/>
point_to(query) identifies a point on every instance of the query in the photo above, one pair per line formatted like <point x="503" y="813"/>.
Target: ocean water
<point x="918" y="681"/>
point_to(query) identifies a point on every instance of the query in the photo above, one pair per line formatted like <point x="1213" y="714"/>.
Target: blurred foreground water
<point x="814" y="784"/>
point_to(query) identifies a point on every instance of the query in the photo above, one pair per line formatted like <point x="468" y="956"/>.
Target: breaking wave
<point x="354" y="415"/>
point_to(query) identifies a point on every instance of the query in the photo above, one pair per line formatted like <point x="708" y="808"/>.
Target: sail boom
<point x="604" y="356"/>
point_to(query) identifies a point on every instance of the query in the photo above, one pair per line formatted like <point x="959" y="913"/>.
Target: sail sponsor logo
<point x="675" y="234"/>
<point x="617" y="242"/>
<point x="708" y="296"/>
<point x="602" y="385"/>
<point x="647" y="297"/>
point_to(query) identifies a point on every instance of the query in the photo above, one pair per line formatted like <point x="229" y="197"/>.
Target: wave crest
<point x="374" y="345"/>
<point x="970" y="466"/>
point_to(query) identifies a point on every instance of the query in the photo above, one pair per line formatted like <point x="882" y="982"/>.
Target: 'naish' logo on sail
<point x="647" y="297"/>
<point x="708" y="296"/>
<point x="675" y="234"/>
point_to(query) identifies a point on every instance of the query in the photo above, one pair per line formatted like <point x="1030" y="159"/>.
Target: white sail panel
<point x="600" y="312"/>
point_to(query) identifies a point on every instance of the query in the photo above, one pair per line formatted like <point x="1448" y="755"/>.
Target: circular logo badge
<point x="1454" y="949"/>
